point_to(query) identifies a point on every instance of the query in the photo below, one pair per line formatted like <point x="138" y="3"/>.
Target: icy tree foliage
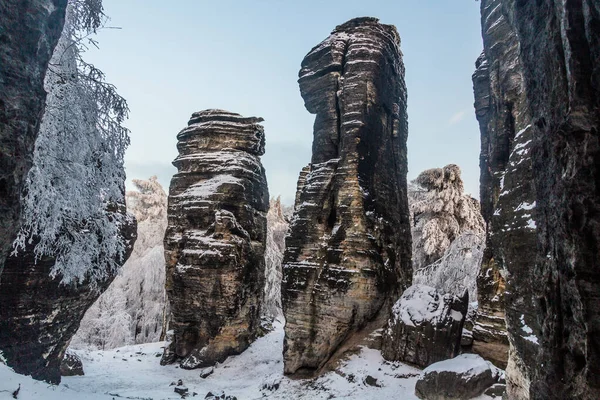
<point x="277" y="227"/>
<point x="448" y="232"/>
<point x="141" y="284"/>
<point x="76" y="183"/>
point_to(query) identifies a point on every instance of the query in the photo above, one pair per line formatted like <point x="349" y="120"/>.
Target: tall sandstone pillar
<point x="215" y="239"/>
<point x="29" y="31"/>
<point x="551" y="185"/>
<point x="348" y="253"/>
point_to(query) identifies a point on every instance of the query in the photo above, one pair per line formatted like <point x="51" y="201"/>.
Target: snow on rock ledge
<point x="462" y="377"/>
<point x="425" y="326"/>
<point x="215" y="239"/>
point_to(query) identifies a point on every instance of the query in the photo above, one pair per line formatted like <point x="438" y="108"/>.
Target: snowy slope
<point x="134" y="372"/>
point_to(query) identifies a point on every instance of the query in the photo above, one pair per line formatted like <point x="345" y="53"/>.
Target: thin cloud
<point x="456" y="118"/>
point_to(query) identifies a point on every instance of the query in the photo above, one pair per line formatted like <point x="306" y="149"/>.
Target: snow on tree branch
<point x="70" y="204"/>
<point x="448" y="231"/>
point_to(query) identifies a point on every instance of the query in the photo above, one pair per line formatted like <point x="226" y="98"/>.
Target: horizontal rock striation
<point x="425" y="327"/>
<point x="348" y="252"/>
<point x="40" y="315"/>
<point x="29" y="31"/>
<point x="215" y="239"/>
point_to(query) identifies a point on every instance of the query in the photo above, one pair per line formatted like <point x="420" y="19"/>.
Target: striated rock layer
<point x="215" y="239"/>
<point x="29" y="31"/>
<point x="560" y="58"/>
<point x="507" y="310"/>
<point x="39" y="315"/>
<point x="348" y="252"/>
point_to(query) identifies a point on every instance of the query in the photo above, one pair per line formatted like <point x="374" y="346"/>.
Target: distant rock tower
<point x="349" y="249"/>
<point x="215" y="239"/>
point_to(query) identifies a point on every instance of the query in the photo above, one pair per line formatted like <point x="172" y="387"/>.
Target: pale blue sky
<point x="172" y="58"/>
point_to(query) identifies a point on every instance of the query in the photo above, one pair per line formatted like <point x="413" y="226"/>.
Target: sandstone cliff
<point x="508" y="203"/>
<point x="560" y="57"/>
<point x="29" y="31"/>
<point x="537" y="102"/>
<point x="215" y="239"/>
<point x="348" y="252"/>
<point x="40" y="315"/>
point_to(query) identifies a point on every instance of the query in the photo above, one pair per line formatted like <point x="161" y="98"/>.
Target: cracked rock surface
<point x="215" y="239"/>
<point x="348" y="252"/>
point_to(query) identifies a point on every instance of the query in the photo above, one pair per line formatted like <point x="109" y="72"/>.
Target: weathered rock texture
<point x="348" y="252"/>
<point x="215" y="239"/>
<point x="29" y="31"/>
<point x="425" y="327"/>
<point x="39" y="315"/>
<point x="460" y="378"/>
<point x="545" y="60"/>
<point x="508" y="202"/>
<point x="560" y="57"/>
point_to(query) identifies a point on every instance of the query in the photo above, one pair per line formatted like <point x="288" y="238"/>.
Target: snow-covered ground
<point x="134" y="372"/>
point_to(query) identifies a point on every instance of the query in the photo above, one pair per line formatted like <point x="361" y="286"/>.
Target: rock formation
<point x="40" y="315"/>
<point x="348" y="252"/>
<point x="537" y="99"/>
<point x="508" y="202"/>
<point x="425" y="327"/>
<point x="560" y="61"/>
<point x="463" y="377"/>
<point x="215" y="238"/>
<point x="29" y="31"/>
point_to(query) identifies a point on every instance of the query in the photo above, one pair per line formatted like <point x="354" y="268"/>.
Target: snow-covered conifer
<point x="448" y="231"/>
<point x="142" y="280"/>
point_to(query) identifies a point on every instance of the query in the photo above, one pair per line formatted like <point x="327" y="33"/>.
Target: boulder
<point x="71" y="365"/>
<point x="425" y="327"/>
<point x="348" y="250"/>
<point x="215" y="239"/>
<point x="463" y="377"/>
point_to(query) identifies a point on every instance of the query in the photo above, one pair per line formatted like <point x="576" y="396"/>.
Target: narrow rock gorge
<point x="215" y="238"/>
<point x="40" y="314"/>
<point x="536" y="89"/>
<point x="348" y="254"/>
<point x="29" y="31"/>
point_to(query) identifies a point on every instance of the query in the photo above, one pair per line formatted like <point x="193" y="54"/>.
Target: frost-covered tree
<point x="70" y="204"/>
<point x="277" y="227"/>
<point x="141" y="283"/>
<point x="440" y="211"/>
<point x="448" y="231"/>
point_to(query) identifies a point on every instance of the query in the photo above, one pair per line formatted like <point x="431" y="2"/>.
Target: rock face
<point x="508" y="202"/>
<point x="539" y="115"/>
<point x="39" y="315"/>
<point x="348" y="252"/>
<point x="560" y="58"/>
<point x="463" y="377"/>
<point x="215" y="239"/>
<point x="425" y="327"/>
<point x="29" y="31"/>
